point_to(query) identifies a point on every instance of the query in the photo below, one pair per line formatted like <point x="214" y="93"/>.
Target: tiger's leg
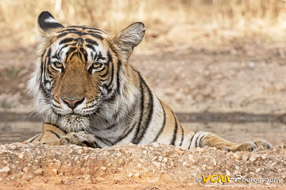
<point x="53" y="135"/>
<point x="81" y="138"/>
<point x="50" y="135"/>
<point x="209" y="139"/>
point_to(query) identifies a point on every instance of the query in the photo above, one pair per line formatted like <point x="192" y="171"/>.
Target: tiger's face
<point x="80" y="67"/>
<point x="77" y="71"/>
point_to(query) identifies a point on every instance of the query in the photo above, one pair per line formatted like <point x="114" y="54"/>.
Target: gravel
<point x="155" y="164"/>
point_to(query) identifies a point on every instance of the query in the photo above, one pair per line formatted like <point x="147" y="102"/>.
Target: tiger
<point x="90" y="95"/>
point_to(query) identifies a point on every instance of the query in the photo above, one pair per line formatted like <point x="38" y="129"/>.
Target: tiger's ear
<point x="128" y="38"/>
<point x="47" y="24"/>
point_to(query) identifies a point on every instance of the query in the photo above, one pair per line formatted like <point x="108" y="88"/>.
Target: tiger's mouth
<point x="82" y="109"/>
<point x="80" y="113"/>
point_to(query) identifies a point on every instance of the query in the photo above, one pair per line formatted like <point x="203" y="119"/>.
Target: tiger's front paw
<point x="81" y="138"/>
<point x="251" y="145"/>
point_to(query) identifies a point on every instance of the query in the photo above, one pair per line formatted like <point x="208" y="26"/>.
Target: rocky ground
<point x="26" y="166"/>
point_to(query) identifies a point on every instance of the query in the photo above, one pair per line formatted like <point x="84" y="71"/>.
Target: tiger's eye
<point x="96" y="67"/>
<point x="58" y="65"/>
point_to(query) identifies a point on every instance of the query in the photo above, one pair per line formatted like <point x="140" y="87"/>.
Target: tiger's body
<point x="90" y="95"/>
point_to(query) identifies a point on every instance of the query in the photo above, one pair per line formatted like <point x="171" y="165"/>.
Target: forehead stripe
<point x="69" y="30"/>
<point x="88" y="40"/>
<point x="84" y="27"/>
<point x="66" y="40"/>
<point x="96" y="36"/>
<point x="90" y="46"/>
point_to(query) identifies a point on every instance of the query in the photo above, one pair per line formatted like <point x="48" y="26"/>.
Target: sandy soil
<point x="25" y="166"/>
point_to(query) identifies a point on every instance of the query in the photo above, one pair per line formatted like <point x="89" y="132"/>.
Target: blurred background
<point x="220" y="64"/>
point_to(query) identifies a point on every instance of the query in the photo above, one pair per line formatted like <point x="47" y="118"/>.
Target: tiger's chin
<point x="74" y="122"/>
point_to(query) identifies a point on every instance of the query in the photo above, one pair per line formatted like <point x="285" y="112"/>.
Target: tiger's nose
<point x="72" y="102"/>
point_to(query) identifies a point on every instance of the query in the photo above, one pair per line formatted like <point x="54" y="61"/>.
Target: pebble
<point x="252" y="158"/>
<point x="54" y="171"/>
<point x="87" y="177"/>
<point x="5" y="170"/>
<point x="39" y="172"/>
<point x="245" y="157"/>
<point x="20" y="156"/>
<point x="57" y="164"/>
<point x="70" y="151"/>
<point x="229" y="163"/>
<point x="165" y="159"/>
<point x="25" y="170"/>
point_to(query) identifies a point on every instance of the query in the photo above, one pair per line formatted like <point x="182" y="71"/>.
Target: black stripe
<point x="62" y="34"/>
<point x="79" y="33"/>
<point x="175" y="131"/>
<point x="163" y="125"/>
<point x="57" y="106"/>
<point x="43" y="76"/>
<point x="107" y="65"/>
<point x="182" y="138"/>
<point x="110" y="127"/>
<point x="54" y="133"/>
<point x="125" y="134"/>
<point x="106" y="72"/>
<point x="100" y="56"/>
<point x="67" y="139"/>
<point x="96" y="36"/>
<point x="104" y="140"/>
<point x="71" y="49"/>
<point x="83" y="27"/>
<point x="112" y="73"/>
<point x="191" y="141"/>
<point x="108" y="90"/>
<point x="109" y="57"/>
<point x="92" y="30"/>
<point x="88" y="40"/>
<point x="143" y="128"/>
<point x="118" y="72"/>
<point x="83" y="54"/>
<point x="90" y="46"/>
<point x="64" y="46"/>
<point x="66" y="40"/>
<point x="200" y="139"/>
<point x="41" y="137"/>
<point x="69" y="30"/>
<point x="141" y="110"/>
<point x="112" y="97"/>
<point x="32" y="140"/>
<point x="49" y="72"/>
<point x="197" y="140"/>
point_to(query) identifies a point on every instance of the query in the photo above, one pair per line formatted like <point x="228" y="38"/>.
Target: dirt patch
<point x="25" y="166"/>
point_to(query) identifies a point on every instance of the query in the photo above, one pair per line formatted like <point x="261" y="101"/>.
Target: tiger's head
<point x="79" y="68"/>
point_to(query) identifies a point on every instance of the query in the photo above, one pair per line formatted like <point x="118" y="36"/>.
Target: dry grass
<point x="17" y="18"/>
